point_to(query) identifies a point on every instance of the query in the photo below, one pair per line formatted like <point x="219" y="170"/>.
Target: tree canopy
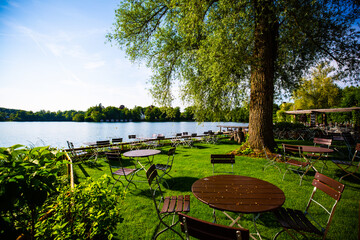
<point x="224" y="51"/>
<point x="320" y="91"/>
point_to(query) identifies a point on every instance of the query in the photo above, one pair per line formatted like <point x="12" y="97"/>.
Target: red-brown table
<point x="239" y="194"/>
<point x="319" y="150"/>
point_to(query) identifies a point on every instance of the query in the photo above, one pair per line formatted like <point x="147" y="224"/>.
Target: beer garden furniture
<point x="116" y="162"/>
<point x="142" y="153"/>
<point x="206" y="230"/>
<point x="350" y="167"/>
<point x="238" y="194"/>
<point x="304" y="222"/>
<point x="166" y="206"/>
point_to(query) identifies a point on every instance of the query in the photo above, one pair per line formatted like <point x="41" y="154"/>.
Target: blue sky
<point x="54" y="56"/>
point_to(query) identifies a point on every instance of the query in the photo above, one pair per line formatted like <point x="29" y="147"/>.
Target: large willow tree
<point x="220" y="52"/>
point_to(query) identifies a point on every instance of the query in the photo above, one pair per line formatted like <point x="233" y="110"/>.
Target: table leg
<point x="255" y="217"/>
<point x="233" y="220"/>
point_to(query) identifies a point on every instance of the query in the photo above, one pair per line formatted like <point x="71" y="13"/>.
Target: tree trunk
<point x="262" y="76"/>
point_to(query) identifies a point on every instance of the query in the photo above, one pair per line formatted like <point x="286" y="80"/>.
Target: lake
<point x="56" y="134"/>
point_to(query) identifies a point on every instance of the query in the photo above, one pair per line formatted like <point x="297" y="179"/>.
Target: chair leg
<point x="167" y="227"/>
<point x="271" y="164"/>
<point x="284" y="230"/>
<point x="352" y="174"/>
<point x="287" y="169"/>
<point x="117" y="180"/>
<point x="130" y="181"/>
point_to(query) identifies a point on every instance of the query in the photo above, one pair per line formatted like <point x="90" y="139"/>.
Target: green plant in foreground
<point x="89" y="211"/>
<point x="27" y="178"/>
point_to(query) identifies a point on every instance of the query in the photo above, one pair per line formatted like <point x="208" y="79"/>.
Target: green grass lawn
<point x="139" y="219"/>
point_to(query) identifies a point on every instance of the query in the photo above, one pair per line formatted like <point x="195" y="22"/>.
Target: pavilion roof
<point x="326" y="110"/>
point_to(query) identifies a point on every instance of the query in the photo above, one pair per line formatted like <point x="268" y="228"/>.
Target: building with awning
<point x="314" y="112"/>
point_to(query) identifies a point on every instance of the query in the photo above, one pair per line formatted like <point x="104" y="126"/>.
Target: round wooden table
<point x="316" y="154"/>
<point x="141" y="153"/>
<point x="238" y="194"/>
<point x="137" y="154"/>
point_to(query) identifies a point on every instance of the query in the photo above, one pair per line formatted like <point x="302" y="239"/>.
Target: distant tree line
<point x="99" y="113"/>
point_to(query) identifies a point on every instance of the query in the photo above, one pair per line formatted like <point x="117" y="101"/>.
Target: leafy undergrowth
<point x="139" y="220"/>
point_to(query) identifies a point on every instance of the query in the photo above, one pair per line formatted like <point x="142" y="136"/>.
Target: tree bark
<point x="262" y="76"/>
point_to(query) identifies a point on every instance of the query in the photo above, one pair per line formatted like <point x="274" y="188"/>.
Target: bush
<point x="89" y="211"/>
<point x="27" y="178"/>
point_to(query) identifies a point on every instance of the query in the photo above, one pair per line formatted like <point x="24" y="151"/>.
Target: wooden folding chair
<point x="350" y="167"/>
<point x="293" y="157"/>
<point x="176" y="141"/>
<point x="222" y="159"/>
<point x="116" y="162"/>
<point x="166" y="168"/>
<point x="292" y="220"/>
<point x="115" y="145"/>
<point x="206" y="230"/>
<point x="77" y="154"/>
<point x="166" y="206"/>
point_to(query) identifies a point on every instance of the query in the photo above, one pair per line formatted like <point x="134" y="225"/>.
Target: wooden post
<point x="324" y="119"/>
<point x="71" y="171"/>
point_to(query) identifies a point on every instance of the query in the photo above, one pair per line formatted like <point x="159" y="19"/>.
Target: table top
<point x="315" y="149"/>
<point x="238" y="194"/>
<point x="141" y="153"/>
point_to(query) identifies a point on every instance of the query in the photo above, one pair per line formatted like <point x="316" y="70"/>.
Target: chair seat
<point x="124" y="171"/>
<point x="162" y="167"/>
<point x="295" y="219"/>
<point x="297" y="163"/>
<point x="176" y="204"/>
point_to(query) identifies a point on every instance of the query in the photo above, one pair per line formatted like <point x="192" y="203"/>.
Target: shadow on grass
<point x="83" y="170"/>
<point x="93" y="164"/>
<point x="351" y="179"/>
<point x="181" y="184"/>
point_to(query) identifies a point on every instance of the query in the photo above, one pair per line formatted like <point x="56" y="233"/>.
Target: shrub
<point x="89" y="211"/>
<point x="27" y="178"/>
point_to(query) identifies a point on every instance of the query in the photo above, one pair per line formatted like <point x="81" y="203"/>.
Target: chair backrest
<point x="132" y="136"/>
<point x="326" y="142"/>
<point x="330" y="187"/>
<point x="116" y="140"/>
<point x="292" y="149"/>
<point x="152" y="175"/>
<point x="206" y="230"/>
<point x="103" y="143"/>
<point x="171" y="152"/>
<point x="114" y="160"/>
<point x="112" y="156"/>
<point x="185" y="133"/>
<point x="70" y="145"/>
<point x="222" y="158"/>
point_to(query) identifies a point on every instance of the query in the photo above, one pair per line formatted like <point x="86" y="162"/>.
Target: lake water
<point x="56" y="134"/>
